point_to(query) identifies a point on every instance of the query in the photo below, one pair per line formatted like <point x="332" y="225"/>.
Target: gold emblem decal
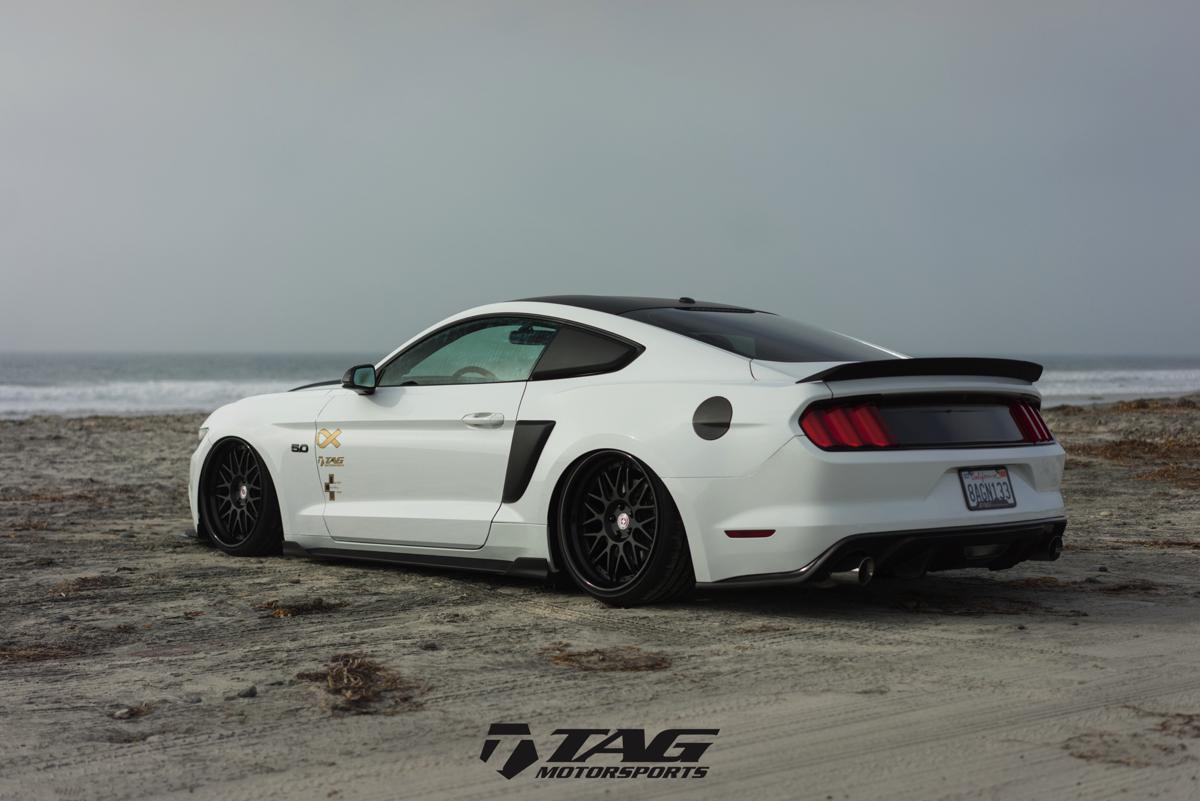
<point x="325" y="438"/>
<point x="333" y="487"/>
<point x="331" y="461"/>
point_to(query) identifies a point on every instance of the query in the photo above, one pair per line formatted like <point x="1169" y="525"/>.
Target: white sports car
<point x="641" y="447"/>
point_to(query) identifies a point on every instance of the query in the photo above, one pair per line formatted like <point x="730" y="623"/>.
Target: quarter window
<point x="576" y="352"/>
<point x="490" y="350"/>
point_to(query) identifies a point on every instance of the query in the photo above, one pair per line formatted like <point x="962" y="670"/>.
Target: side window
<point x="576" y="352"/>
<point x="475" y="352"/>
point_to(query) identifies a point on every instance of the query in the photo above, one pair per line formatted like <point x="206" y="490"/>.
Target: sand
<point x="137" y="663"/>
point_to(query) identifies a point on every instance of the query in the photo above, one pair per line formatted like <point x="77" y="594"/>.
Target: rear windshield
<point x="759" y="335"/>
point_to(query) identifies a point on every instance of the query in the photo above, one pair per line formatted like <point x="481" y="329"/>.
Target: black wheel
<point x="241" y="511"/>
<point x="619" y="532"/>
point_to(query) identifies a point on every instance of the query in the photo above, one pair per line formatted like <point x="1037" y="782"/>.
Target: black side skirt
<point x="525" y="567"/>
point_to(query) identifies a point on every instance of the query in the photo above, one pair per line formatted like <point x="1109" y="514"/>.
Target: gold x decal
<point x="326" y="437"/>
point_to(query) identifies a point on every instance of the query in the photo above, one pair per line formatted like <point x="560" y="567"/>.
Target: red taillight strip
<point x="842" y="429"/>
<point x="1020" y="416"/>
<point x="854" y="426"/>
<point x="815" y="428"/>
<point x="1037" y="418"/>
<point x="1037" y="422"/>
<point x="868" y="422"/>
<point x="1029" y="420"/>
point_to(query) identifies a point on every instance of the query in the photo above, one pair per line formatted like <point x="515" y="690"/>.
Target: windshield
<point x="759" y="335"/>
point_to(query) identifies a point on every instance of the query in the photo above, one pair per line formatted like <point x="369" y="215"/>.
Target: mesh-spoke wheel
<point x="620" y="534"/>
<point x="240" y="507"/>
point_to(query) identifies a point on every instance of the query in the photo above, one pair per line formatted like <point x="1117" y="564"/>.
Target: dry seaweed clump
<point x="1164" y="543"/>
<point x="1134" y="586"/>
<point x="356" y="684"/>
<point x="299" y="607"/>
<point x="1067" y="410"/>
<point x="1132" y="449"/>
<point x="1039" y="582"/>
<point x="12" y="653"/>
<point x="1156" y="404"/>
<point x="1173" y="459"/>
<point x="1183" y="475"/>
<point x="1135" y="750"/>
<point x="621" y="658"/>
<point x="1181" y="725"/>
<point x="85" y="583"/>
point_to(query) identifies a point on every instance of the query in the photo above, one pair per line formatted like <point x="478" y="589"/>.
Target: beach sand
<point x="137" y="663"/>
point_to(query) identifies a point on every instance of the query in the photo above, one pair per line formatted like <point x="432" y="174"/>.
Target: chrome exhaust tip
<point x="857" y="573"/>
<point x="1048" y="552"/>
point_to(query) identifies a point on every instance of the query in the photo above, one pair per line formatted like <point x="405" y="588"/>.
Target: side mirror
<point x="360" y="378"/>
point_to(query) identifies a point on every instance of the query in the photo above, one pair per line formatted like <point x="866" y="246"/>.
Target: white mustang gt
<point x="642" y="447"/>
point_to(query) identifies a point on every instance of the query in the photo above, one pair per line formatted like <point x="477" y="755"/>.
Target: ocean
<point x="77" y="384"/>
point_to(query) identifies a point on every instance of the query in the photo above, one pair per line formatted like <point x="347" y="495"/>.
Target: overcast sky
<point x="1005" y="177"/>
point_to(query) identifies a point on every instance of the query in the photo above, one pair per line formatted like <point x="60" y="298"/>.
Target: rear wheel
<point x="620" y="534"/>
<point x="241" y="510"/>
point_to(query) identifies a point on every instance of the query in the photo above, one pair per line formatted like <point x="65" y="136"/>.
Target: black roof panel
<point x="620" y="304"/>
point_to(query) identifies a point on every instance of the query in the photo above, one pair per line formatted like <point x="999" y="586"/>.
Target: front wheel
<point x="620" y="534"/>
<point x="241" y="510"/>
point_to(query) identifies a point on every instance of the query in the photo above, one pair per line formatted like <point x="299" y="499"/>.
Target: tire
<point x="619" y="533"/>
<point x="241" y="509"/>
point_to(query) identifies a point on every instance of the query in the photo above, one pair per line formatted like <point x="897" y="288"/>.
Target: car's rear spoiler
<point x="891" y="368"/>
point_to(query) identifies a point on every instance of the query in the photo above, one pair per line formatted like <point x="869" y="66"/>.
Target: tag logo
<point x="325" y="438"/>
<point x="669" y="754"/>
<point x="331" y="461"/>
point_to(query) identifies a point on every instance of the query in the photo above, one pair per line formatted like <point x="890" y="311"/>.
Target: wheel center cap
<point x="243" y="492"/>
<point x="624" y="521"/>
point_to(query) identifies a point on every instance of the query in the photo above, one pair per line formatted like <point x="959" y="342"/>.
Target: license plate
<point x="987" y="488"/>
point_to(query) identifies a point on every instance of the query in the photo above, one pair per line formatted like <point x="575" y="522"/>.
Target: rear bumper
<point x="914" y="552"/>
<point x="813" y="500"/>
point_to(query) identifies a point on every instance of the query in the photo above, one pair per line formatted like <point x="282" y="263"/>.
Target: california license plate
<point x="987" y="488"/>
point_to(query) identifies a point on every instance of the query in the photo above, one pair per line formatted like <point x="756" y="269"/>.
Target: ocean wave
<point x="129" y="397"/>
<point x="1062" y="386"/>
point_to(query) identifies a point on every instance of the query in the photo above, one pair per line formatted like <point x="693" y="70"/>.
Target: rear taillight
<point x="924" y="421"/>
<point x="851" y="426"/>
<point x="1029" y="420"/>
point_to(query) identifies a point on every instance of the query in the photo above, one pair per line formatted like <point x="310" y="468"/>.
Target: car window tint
<point x="475" y="352"/>
<point x="759" y="335"/>
<point x="576" y="352"/>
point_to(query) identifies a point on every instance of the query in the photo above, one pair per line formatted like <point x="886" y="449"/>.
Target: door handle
<point x="483" y="420"/>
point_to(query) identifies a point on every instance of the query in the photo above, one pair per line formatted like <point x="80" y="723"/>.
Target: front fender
<point x="272" y="425"/>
